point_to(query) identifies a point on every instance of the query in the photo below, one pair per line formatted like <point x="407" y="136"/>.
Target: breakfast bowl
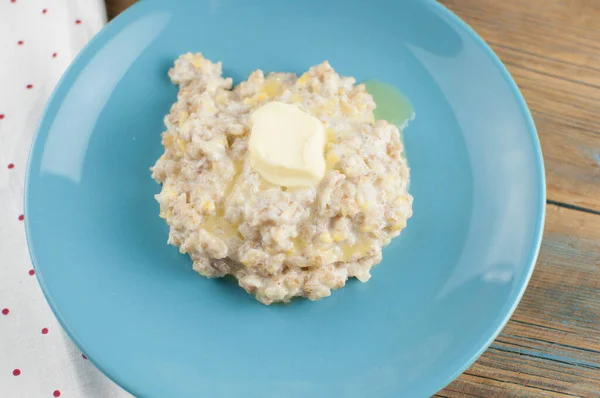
<point x="443" y="289"/>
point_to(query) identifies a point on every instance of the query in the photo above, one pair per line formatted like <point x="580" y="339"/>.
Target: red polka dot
<point x="16" y="372"/>
<point x="1" y="116"/>
<point x="56" y="393"/>
<point x="5" y="311"/>
<point x="13" y="1"/>
<point x="21" y="217"/>
<point x="83" y="356"/>
<point x="20" y="42"/>
<point x="78" y="21"/>
<point x="11" y="166"/>
<point x="45" y="331"/>
<point x="54" y="55"/>
<point x="44" y="11"/>
<point x="31" y="272"/>
<point x="29" y="86"/>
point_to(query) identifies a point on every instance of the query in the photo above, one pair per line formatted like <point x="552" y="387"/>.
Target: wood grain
<point x="115" y="7"/>
<point x="551" y="346"/>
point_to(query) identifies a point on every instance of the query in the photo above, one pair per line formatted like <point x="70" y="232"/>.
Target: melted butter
<point x="330" y="135"/>
<point x="272" y="88"/>
<point x="391" y="104"/>
<point x="219" y="226"/>
<point x="298" y="246"/>
<point x="239" y="167"/>
<point x="216" y="224"/>
<point x="345" y="253"/>
<point x="349" y="251"/>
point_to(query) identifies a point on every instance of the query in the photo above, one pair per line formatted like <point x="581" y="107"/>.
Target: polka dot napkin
<point x="38" y="40"/>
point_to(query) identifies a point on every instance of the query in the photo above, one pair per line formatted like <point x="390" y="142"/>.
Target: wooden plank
<point x="551" y="346"/>
<point x="115" y="7"/>
<point x="552" y="49"/>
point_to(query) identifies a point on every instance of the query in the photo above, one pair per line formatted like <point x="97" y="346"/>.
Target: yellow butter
<point x="287" y="145"/>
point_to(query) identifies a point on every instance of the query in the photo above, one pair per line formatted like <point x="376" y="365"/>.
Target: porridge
<point x="279" y="240"/>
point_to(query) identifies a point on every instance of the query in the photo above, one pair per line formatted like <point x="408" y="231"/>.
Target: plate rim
<point x="540" y="218"/>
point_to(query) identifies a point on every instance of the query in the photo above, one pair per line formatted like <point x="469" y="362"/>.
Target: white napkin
<point x="38" y="40"/>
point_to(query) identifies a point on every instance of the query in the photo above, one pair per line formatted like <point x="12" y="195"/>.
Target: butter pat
<point x="287" y="145"/>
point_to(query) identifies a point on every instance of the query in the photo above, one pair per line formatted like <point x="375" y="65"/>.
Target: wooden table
<point x="551" y="346"/>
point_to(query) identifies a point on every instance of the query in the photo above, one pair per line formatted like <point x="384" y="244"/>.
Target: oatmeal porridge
<point x="279" y="241"/>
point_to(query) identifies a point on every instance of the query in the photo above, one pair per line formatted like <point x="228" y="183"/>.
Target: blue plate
<point x="445" y="287"/>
